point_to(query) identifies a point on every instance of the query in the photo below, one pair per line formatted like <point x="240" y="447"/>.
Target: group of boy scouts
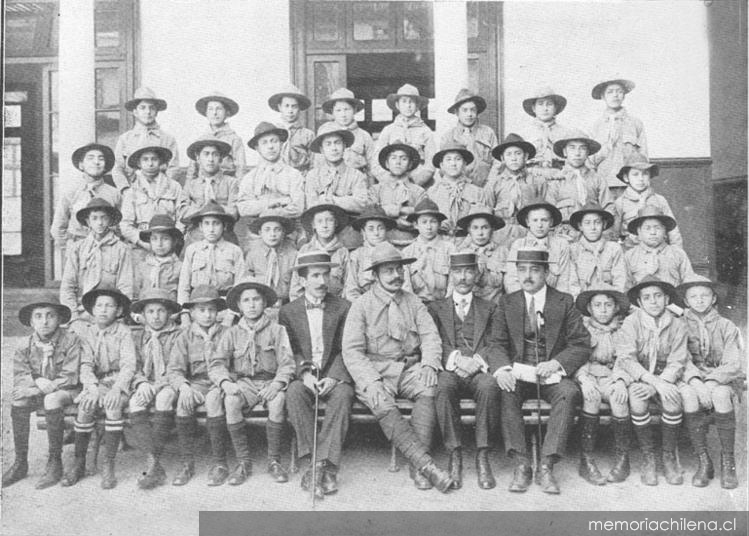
<point x="344" y="268"/>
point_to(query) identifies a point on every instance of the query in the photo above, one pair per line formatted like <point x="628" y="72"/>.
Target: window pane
<point x="107" y="128"/>
<point x="473" y="20"/>
<point x="108" y="88"/>
<point x="417" y="21"/>
<point x="327" y="78"/>
<point x="325" y="21"/>
<point x="12" y="196"/>
<point x="107" y="25"/>
<point x="53" y="94"/>
<point x="20" y="31"/>
<point x="372" y="21"/>
<point x="54" y="136"/>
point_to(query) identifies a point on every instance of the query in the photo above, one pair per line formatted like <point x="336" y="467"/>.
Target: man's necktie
<point x="396" y="322"/>
<point x="462" y="309"/>
<point x="532" y="314"/>
<point x="320" y="305"/>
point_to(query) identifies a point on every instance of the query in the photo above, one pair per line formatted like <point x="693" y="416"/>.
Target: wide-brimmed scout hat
<point x="145" y="93"/>
<point x="651" y="212"/>
<point x="311" y="259"/>
<point x="407" y="90"/>
<point x="697" y="280"/>
<point x="426" y="207"/>
<point x="164" y="154"/>
<point x="373" y="213"/>
<point x="163" y="223"/>
<point x="231" y="105"/>
<point x="97" y="203"/>
<point x="466" y="95"/>
<point x="513" y="140"/>
<point x="340" y="215"/>
<point x="481" y="211"/>
<point x="598" y="89"/>
<point x="637" y="161"/>
<point x="155" y="295"/>
<point x="385" y="253"/>
<point x="211" y="208"/>
<point x="532" y="255"/>
<point x="331" y="129"/>
<point x="592" y="208"/>
<point x="460" y="260"/>
<point x="80" y="153"/>
<point x="651" y="281"/>
<point x="205" y="294"/>
<point x="576" y="135"/>
<point x="584" y="298"/>
<point x="235" y="292"/>
<point x="89" y="299"/>
<point x="271" y="215"/>
<point x="289" y="91"/>
<point x="544" y="93"/>
<point x="47" y="300"/>
<point x="263" y="129"/>
<point x="207" y="141"/>
<point x="413" y="155"/>
<point x="556" y="215"/>
<point x="452" y="148"/>
<point x="342" y="94"/>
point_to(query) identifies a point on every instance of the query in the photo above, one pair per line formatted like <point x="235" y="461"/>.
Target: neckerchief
<point x="154" y="363"/>
<point x="48" y="351"/>
<point x="265" y="180"/>
<point x="596" y="250"/>
<point x="702" y="322"/>
<point x="223" y="130"/>
<point x="209" y="192"/>
<point x="157" y="263"/>
<point x="652" y="333"/>
<point x="425" y="253"/>
<point x="210" y="247"/>
<point x="92" y="259"/>
<point x="544" y="143"/>
<point x="145" y="133"/>
<point x="458" y="205"/>
<point x="273" y="273"/>
<point x="604" y="349"/>
<point x="252" y="329"/>
<point x="206" y="337"/>
<point x="331" y="247"/>
<point x="614" y="122"/>
<point x="648" y="263"/>
<point x="400" y="190"/>
<point x="408" y="122"/>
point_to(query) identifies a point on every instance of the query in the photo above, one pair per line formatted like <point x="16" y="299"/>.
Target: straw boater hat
<point x="599" y="88"/>
<point x="264" y="128"/>
<point x="235" y="292"/>
<point x="311" y="259"/>
<point x="466" y="95"/>
<point x="164" y="154"/>
<point x="163" y="223"/>
<point x="205" y="294"/>
<point x="407" y="90"/>
<point x="145" y="93"/>
<point x="697" y="280"/>
<point x="426" y="207"/>
<point x="341" y="218"/>
<point x="413" y="155"/>
<point x="637" y="161"/>
<point x="452" y="148"/>
<point x="289" y="91"/>
<point x="460" y="260"/>
<point x="544" y="93"/>
<point x="89" y="299"/>
<point x="271" y="215"/>
<point x="80" y="153"/>
<point x="373" y="213"/>
<point x="155" y="295"/>
<point x="47" y="300"/>
<point x="331" y="129"/>
<point x="584" y="298"/>
<point x="231" y="105"/>
<point x="535" y="256"/>
<point x="591" y="208"/>
<point x="385" y="253"/>
<point x="193" y="150"/>
<point x="481" y="211"/>
<point x="210" y="209"/>
<point x="556" y="215"/>
<point x="97" y="203"/>
<point x="650" y="281"/>
<point x="513" y="140"/>
<point x="651" y="212"/>
<point x="576" y="135"/>
<point x="345" y="95"/>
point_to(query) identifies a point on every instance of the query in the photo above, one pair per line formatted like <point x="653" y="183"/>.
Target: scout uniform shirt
<point x="200" y="190"/>
<point x="603" y="350"/>
<point x="259" y="351"/>
<point x="114" y="360"/>
<point x="507" y="193"/>
<point x="576" y="187"/>
<point x="232" y="164"/>
<point x="132" y="140"/>
<point x="158" y="272"/>
<point x="267" y="182"/>
<point x="598" y="264"/>
<point x="57" y="360"/>
<point x="360" y="155"/>
<point x="95" y="263"/>
<point x="339" y="254"/>
<point x="629" y="204"/>
<point x="715" y="346"/>
<point x="272" y="266"/>
<point x="429" y="276"/>
<point x="668" y="263"/>
<point x="153" y="351"/>
<point x="413" y="132"/>
<point x="358" y="278"/>
<point x="295" y="151"/>
<point x="480" y="140"/>
<point x="543" y="135"/>
<point x="218" y="265"/>
<point x="339" y="185"/>
<point x="144" y="199"/>
<point x="612" y="130"/>
<point x="455" y="198"/>
<point x="492" y="265"/>
<point x="391" y="194"/>
<point x="562" y="275"/>
<point x="191" y="354"/>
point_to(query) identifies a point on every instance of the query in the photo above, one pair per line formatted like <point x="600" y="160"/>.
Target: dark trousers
<point x="300" y="405"/>
<point x="563" y="397"/>
<point x="483" y="389"/>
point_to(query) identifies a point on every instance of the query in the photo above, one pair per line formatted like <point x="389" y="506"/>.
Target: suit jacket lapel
<point x="553" y="315"/>
<point x="516" y="313"/>
<point x="302" y="325"/>
<point x="446" y="313"/>
<point x="480" y="318"/>
<point x="329" y="316"/>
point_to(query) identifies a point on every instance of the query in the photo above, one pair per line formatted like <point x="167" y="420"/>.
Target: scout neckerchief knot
<point x="209" y="194"/>
<point x="652" y="336"/>
<point x="604" y="348"/>
<point x="48" y="350"/>
<point x="252" y="329"/>
<point x="702" y="325"/>
<point x="155" y="362"/>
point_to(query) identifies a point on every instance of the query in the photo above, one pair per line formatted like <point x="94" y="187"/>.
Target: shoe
<point x="52" y="474"/>
<point x="521" y="478"/>
<point x="240" y="473"/>
<point x="671" y="469"/>
<point x="307" y="480"/>
<point x="75" y="473"/>
<point x="439" y="478"/>
<point x="484" y="470"/>
<point x="217" y="475"/>
<point x="185" y="474"/>
<point x="108" y="480"/>
<point x="329" y="481"/>
<point x="623" y="439"/>
<point x="420" y="481"/>
<point x="546" y="480"/>
<point x="649" y="475"/>
<point x="16" y="472"/>
<point x="728" y="479"/>
<point x="154" y="476"/>
<point x="589" y="470"/>
<point x="705" y="471"/>
<point x="621" y="469"/>
<point x="277" y="472"/>
<point x="455" y="468"/>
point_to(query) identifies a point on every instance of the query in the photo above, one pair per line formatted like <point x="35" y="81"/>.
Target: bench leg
<point x="294" y="462"/>
<point x="394" y="467"/>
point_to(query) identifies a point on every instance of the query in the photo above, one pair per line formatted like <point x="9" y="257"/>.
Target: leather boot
<point x="78" y="470"/>
<point x="307" y="479"/>
<point x="400" y="433"/>
<point x="330" y="479"/>
<point x="697" y="426"/>
<point x="644" y="434"/>
<point x="55" y="432"/>
<point x="421" y="481"/>
<point x="94" y="447"/>
<point x="154" y="476"/>
<point x="671" y="469"/>
<point x="439" y="478"/>
<point x="219" y="471"/>
<point x="545" y="477"/>
<point x="238" y="433"/>
<point x="588" y="468"/>
<point x="20" y="419"/>
<point x="111" y="440"/>
<point x="522" y="476"/>
<point x="484" y="470"/>
<point x="726" y="425"/>
<point x="186" y="432"/>
<point x="274" y="434"/>
<point x="622" y="441"/>
<point x="455" y="467"/>
<point x="728" y="478"/>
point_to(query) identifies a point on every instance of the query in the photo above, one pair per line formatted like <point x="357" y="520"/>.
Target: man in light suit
<point x="539" y="326"/>
<point x="315" y="323"/>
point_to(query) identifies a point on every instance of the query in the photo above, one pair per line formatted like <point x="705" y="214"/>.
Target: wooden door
<point x="325" y="74"/>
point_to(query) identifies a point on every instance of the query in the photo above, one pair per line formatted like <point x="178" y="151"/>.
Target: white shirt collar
<point x="313" y="301"/>
<point x="458" y="298"/>
<point x="539" y="299"/>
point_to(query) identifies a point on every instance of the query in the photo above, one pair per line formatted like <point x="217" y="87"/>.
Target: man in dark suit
<point x="539" y="326"/>
<point x="468" y="328"/>
<point x="314" y="323"/>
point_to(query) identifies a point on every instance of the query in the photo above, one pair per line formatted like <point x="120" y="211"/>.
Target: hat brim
<point x="436" y="213"/>
<point x="642" y="167"/>
<point x="24" y="314"/>
<point x="495" y="221"/>
<point x="275" y="99"/>
<point x="583" y="299"/>
<point x="480" y="104"/>
<point x="133" y="103"/>
<point x="82" y="215"/>
<point x="195" y="218"/>
<point x="559" y="102"/>
<point x="286" y="223"/>
<point x="308" y="216"/>
<point x="80" y="153"/>
<point x="89" y="299"/>
<point x="232" y="297"/>
<point x="194" y="149"/>
<point x="556" y="215"/>
<point x="598" y="89"/>
<point x="173" y="231"/>
<point x="172" y="306"/>
<point x="346" y="135"/>
<point x="328" y="105"/>
<point x="633" y="294"/>
<point x="682" y="289"/>
<point x="577" y="217"/>
<point x="528" y="147"/>
<point x="165" y="155"/>
<point x="392" y="99"/>
<point x="232" y="108"/>
<point x="440" y="155"/>
<point x="314" y="265"/>
<point x="219" y="302"/>
<point x="413" y="155"/>
<point x="668" y="222"/>
<point x="282" y="134"/>
<point x="361" y="221"/>
<point x="403" y="261"/>
<point x="593" y="146"/>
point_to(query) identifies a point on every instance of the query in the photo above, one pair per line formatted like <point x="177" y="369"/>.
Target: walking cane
<point x="316" y="371"/>
<point x="539" y="323"/>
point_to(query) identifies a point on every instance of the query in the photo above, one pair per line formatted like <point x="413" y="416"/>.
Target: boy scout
<point x="480" y="224"/>
<point x="717" y="352"/>
<point x="454" y="193"/>
<point x="651" y="348"/>
<point x="470" y="133"/>
<point x="188" y="377"/>
<point x="374" y="225"/>
<point x="253" y="365"/>
<point x="408" y="129"/>
<point x="271" y="259"/>
<point x="429" y="276"/>
<point x="161" y="267"/>
<point x="151" y="383"/>
<point x="105" y="376"/>
<point x="602" y="308"/>
<point x="101" y="259"/>
<point x="145" y="107"/>
<point x="45" y="373"/>
<point x="289" y="102"/>
<point x="543" y="132"/>
<point x="596" y="261"/>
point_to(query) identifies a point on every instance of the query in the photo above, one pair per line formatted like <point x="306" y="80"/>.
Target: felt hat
<point x="331" y="129"/>
<point x="697" y="280"/>
<point x="263" y="128"/>
<point x="584" y="298"/>
<point x="426" y="207"/>
<point x="342" y="94"/>
<point x="235" y="292"/>
<point x="375" y="212"/>
<point x="231" y="105"/>
<point x="89" y="299"/>
<point x="211" y="208"/>
<point x="544" y="93"/>
<point x="80" y="153"/>
<point x="452" y="148"/>
<point x="289" y="91"/>
<point x="651" y="281"/>
<point x="600" y="88"/>
<point x="205" y="294"/>
<point x="145" y="93"/>
<point x="413" y="155"/>
<point x="466" y="258"/>
<point x="155" y="295"/>
<point x="513" y="140"/>
<point x="647" y="212"/>
<point x="385" y="253"/>
<point x="481" y="211"/>
<point x="311" y="259"/>
<point x="341" y="218"/>
<point x="637" y="161"/>
<point x="207" y="141"/>
<point x="466" y="95"/>
<point x="576" y="135"/>
<point x="47" y="300"/>
<point x="165" y="155"/>
<point x="97" y="203"/>
<point x="537" y="256"/>
<point x="271" y="215"/>
<point x="591" y="208"/>
<point x="556" y="215"/>
<point x="161" y="222"/>
<point x="407" y="90"/>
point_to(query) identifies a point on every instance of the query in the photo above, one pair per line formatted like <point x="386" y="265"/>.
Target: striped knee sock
<point x="641" y="420"/>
